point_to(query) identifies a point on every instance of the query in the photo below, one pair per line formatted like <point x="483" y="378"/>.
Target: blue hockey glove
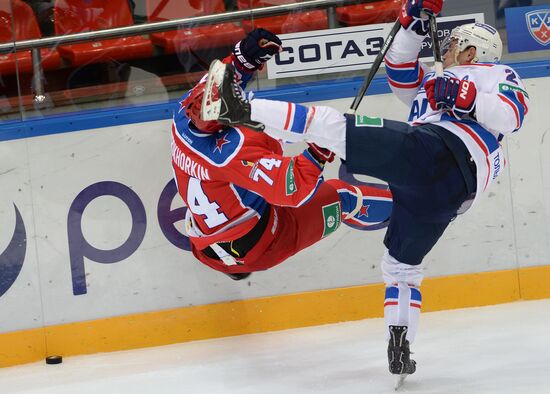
<point x="255" y="49"/>
<point x="410" y="16"/>
<point x="456" y="95"/>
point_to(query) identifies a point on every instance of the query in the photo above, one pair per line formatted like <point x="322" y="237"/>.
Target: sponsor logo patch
<point x="331" y="218"/>
<point x="366" y="121"/>
<point x="504" y="87"/>
<point x="290" y="181"/>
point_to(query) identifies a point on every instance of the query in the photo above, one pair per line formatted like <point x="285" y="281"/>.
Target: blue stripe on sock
<point x="299" y="121"/>
<point x="415" y="294"/>
<point x="347" y="200"/>
<point x="392" y="292"/>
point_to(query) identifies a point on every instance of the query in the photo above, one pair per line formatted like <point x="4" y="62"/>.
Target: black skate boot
<point x="398" y="352"/>
<point x="224" y="100"/>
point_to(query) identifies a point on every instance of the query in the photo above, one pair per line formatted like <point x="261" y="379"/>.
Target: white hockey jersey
<point x="501" y="103"/>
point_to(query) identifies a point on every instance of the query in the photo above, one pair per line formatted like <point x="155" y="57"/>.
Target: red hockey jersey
<point x="229" y="179"/>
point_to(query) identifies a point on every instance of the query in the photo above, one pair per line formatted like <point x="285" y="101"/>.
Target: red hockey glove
<point x="458" y="96"/>
<point x="255" y="49"/>
<point x="322" y="155"/>
<point x="410" y="15"/>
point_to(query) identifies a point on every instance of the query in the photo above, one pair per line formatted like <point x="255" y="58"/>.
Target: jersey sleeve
<point x="404" y="72"/>
<point x="284" y="181"/>
<point x="502" y="101"/>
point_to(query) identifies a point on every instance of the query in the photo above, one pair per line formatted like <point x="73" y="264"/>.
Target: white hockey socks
<point x="287" y="121"/>
<point x="403" y="298"/>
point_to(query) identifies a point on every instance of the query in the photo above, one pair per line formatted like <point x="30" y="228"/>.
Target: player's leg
<point x="363" y="207"/>
<point x="225" y="102"/>
<point x="402" y="304"/>
<point x="322" y="125"/>
<point x="408" y="241"/>
<point x="415" y="227"/>
<point x="385" y="149"/>
<point x="298" y="228"/>
<point x="301" y="227"/>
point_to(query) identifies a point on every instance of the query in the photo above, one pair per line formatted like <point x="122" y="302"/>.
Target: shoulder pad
<point x="217" y="149"/>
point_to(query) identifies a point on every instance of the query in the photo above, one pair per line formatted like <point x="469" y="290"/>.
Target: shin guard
<point x="403" y="298"/>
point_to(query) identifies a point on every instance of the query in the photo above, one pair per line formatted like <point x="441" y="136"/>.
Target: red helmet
<point x="192" y="104"/>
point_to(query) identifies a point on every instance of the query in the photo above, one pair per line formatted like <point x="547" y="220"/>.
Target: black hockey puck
<point x="54" y="360"/>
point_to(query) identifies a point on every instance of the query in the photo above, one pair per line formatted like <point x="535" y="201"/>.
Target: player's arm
<point x="285" y="181"/>
<point x="497" y="102"/>
<point x="252" y="52"/>
<point x="404" y="72"/>
<point x="501" y="108"/>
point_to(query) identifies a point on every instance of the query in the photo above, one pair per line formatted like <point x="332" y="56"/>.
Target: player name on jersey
<point x="188" y="165"/>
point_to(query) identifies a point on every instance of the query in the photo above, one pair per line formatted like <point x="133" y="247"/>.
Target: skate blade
<point x="211" y="103"/>
<point x="400" y="379"/>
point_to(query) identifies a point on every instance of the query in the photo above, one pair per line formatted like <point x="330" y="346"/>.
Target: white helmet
<point x="484" y="37"/>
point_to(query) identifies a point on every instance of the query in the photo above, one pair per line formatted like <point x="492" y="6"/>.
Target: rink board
<point x="92" y="257"/>
<point x="265" y="314"/>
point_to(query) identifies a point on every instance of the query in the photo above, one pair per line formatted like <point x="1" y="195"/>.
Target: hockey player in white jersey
<point x="436" y="165"/>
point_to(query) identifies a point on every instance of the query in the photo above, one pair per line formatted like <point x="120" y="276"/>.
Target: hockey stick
<point x="374" y="68"/>
<point x="438" y="63"/>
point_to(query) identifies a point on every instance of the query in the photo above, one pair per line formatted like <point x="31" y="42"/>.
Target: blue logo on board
<point x="528" y="28"/>
<point x="538" y="23"/>
<point x="13" y="257"/>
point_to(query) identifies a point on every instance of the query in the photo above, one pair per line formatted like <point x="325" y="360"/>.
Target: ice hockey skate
<point x="224" y="100"/>
<point x="399" y="360"/>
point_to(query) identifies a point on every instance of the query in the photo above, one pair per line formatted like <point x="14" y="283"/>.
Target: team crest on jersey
<point x="220" y="142"/>
<point x="538" y="23"/>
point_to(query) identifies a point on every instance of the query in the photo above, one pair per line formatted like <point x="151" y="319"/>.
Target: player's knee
<point x="326" y="115"/>
<point x="394" y="271"/>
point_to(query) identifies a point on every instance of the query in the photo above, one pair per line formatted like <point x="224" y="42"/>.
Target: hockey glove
<point x="411" y="18"/>
<point x="458" y="96"/>
<point x="322" y="155"/>
<point x="255" y="49"/>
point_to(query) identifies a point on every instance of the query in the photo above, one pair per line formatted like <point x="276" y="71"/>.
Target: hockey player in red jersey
<point x="437" y="165"/>
<point x="250" y="207"/>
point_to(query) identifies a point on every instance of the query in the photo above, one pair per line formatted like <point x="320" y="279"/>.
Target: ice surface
<point x="497" y="349"/>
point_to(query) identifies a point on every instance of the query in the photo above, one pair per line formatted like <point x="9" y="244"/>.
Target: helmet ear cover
<point x="192" y="104"/>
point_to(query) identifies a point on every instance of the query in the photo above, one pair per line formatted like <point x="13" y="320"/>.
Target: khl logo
<point x="538" y="22"/>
